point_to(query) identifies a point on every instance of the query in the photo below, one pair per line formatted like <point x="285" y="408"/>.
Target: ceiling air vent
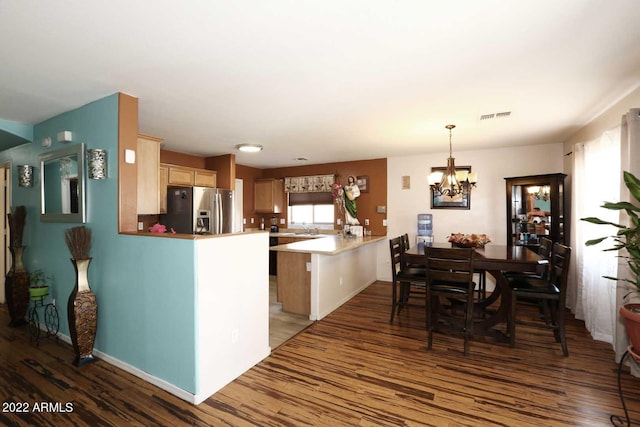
<point x="495" y="115"/>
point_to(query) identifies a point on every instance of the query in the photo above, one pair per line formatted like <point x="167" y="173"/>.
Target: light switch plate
<point x="129" y="156"/>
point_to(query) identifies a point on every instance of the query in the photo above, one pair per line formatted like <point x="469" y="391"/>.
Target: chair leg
<point x="394" y="300"/>
<point x="432" y="307"/>
<point x="563" y="338"/>
<point x="468" y="328"/>
<point x="557" y="319"/>
<point x="511" y="320"/>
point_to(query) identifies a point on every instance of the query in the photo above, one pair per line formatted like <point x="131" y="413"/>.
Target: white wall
<point x="335" y="279"/>
<point x="233" y="308"/>
<point x="488" y="199"/>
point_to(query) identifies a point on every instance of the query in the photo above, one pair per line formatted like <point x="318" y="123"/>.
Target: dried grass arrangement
<point x="78" y="241"/>
<point x="17" y="219"/>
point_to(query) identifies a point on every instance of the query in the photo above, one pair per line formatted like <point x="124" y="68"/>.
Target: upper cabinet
<point x="148" y="174"/>
<point x="190" y="177"/>
<point x="535" y="209"/>
<point x="268" y="195"/>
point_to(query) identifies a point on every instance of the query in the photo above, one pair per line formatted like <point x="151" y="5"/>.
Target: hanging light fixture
<point x="540" y="192"/>
<point x="452" y="182"/>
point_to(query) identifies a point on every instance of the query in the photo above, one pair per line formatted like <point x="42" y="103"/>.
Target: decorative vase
<point x="82" y="314"/>
<point x="631" y="315"/>
<point x="16" y="288"/>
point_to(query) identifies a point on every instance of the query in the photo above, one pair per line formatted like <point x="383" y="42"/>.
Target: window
<point x="311" y="208"/>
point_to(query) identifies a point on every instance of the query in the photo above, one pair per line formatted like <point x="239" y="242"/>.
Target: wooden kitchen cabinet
<point x="190" y="177"/>
<point x="179" y="175"/>
<point x="204" y="178"/>
<point x="164" y="183"/>
<point x="148" y="175"/>
<point x="268" y="195"/>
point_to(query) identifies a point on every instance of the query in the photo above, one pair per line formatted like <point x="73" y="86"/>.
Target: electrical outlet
<point x="253" y="220"/>
<point x="340" y="280"/>
<point x="308" y="266"/>
<point x="281" y="221"/>
<point x="244" y="221"/>
<point x="366" y="221"/>
<point x="339" y="221"/>
<point x="234" y="336"/>
<point x="140" y="226"/>
<point x="384" y="222"/>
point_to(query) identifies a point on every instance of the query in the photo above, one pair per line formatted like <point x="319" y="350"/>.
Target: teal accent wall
<point x="13" y="134"/>
<point x="145" y="286"/>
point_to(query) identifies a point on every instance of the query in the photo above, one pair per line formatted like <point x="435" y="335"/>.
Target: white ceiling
<point x="325" y="80"/>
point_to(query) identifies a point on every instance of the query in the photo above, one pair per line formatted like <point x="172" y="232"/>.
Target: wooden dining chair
<point x="407" y="282"/>
<point x="544" y="250"/>
<point x="550" y="290"/>
<point x="406" y="245"/>
<point x="450" y="275"/>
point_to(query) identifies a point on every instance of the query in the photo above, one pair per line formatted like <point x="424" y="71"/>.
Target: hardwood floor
<point x="350" y="369"/>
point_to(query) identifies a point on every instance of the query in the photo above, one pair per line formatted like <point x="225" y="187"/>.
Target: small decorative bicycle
<point x="38" y="292"/>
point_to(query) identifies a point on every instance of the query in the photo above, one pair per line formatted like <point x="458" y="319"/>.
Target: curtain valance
<point x="309" y="184"/>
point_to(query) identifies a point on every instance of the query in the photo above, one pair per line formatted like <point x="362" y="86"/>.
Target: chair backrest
<point x="451" y="265"/>
<point x="546" y="245"/>
<point x="560" y="257"/>
<point x="544" y="250"/>
<point x="405" y="241"/>
<point x="395" y="249"/>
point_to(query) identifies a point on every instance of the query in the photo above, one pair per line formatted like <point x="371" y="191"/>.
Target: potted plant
<point x="38" y="285"/>
<point x="627" y="238"/>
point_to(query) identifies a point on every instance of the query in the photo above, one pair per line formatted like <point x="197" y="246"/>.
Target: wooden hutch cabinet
<point x="536" y="207"/>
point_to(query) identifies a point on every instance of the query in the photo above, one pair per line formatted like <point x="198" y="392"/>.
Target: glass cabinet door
<point x="535" y="209"/>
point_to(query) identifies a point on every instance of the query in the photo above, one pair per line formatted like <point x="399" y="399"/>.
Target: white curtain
<point x="596" y="179"/>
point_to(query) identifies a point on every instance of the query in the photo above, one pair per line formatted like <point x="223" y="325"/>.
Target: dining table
<point x="495" y="260"/>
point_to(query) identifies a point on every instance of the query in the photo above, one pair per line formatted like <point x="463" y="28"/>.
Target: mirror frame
<point x="80" y="216"/>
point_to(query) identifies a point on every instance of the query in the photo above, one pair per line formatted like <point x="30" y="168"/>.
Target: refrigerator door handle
<point x="220" y="220"/>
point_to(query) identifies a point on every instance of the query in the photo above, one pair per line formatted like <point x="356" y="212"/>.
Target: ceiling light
<point x="452" y="182"/>
<point x="249" y="148"/>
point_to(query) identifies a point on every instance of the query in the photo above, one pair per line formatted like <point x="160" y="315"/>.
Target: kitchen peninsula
<point x="318" y="275"/>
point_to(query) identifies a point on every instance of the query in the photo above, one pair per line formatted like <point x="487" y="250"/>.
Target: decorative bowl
<point x="469" y="240"/>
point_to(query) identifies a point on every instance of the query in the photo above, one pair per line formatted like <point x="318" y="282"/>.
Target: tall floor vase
<point x="82" y="314"/>
<point x="16" y="288"/>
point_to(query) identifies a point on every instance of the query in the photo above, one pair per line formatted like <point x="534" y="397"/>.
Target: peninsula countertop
<point x="327" y="244"/>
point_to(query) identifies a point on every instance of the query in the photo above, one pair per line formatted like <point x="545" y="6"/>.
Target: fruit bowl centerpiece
<point x="461" y="240"/>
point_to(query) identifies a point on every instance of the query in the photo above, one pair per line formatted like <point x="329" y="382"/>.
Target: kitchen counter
<point x="317" y="275"/>
<point x="325" y="244"/>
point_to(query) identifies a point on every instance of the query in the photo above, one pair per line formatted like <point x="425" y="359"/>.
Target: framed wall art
<point x="460" y="201"/>
<point x="363" y="183"/>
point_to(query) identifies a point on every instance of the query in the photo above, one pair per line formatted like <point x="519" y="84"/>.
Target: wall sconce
<point x="97" y="160"/>
<point x="65" y="136"/>
<point x="25" y="176"/>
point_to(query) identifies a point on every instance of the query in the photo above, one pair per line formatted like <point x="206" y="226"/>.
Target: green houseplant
<point x="627" y="238"/>
<point x="38" y="284"/>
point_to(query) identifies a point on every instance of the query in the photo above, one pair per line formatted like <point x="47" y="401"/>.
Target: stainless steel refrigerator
<point x="199" y="210"/>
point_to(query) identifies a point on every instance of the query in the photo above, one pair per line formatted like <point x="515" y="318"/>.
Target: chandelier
<point x="452" y="183"/>
<point x="539" y="192"/>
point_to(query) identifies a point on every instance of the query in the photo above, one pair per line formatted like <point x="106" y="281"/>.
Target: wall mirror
<point x="62" y="185"/>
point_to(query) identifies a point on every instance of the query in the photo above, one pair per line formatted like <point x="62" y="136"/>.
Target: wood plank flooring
<point x="350" y="369"/>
